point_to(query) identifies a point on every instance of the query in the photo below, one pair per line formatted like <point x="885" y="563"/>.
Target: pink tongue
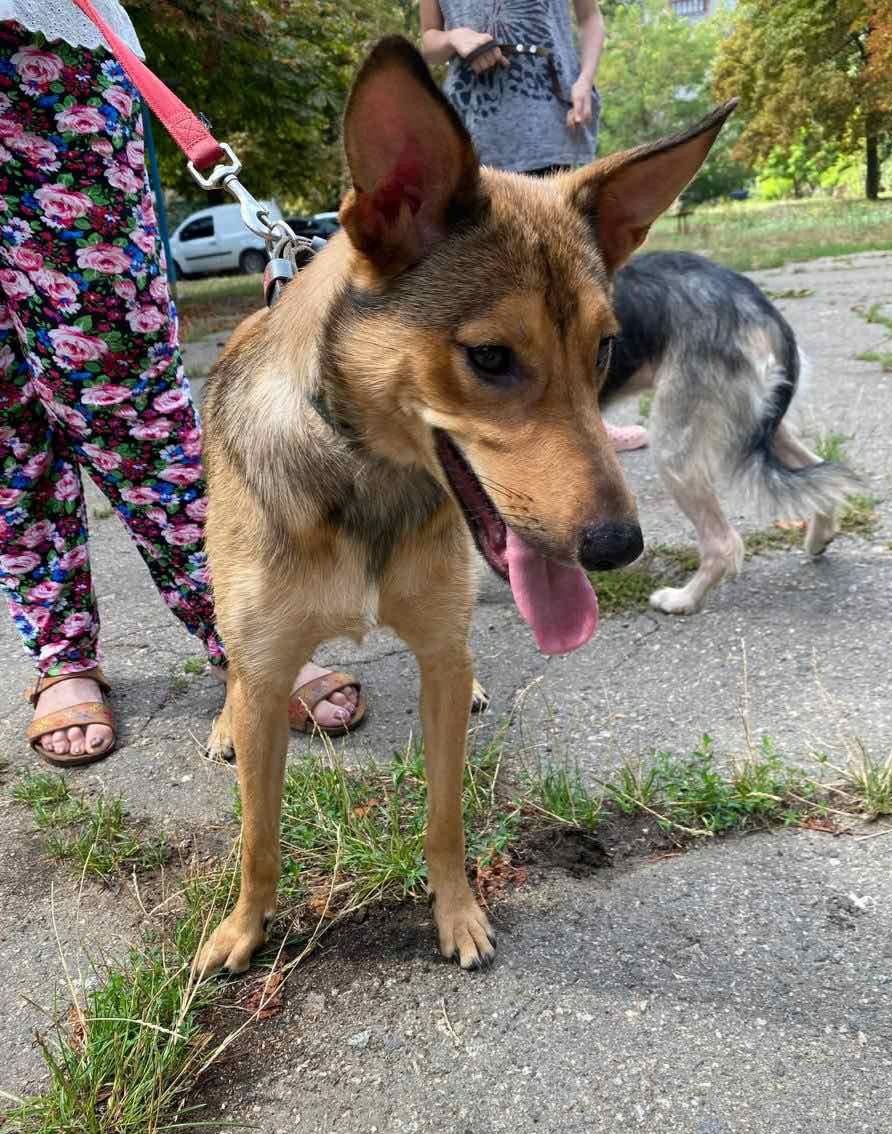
<point x="556" y="601"/>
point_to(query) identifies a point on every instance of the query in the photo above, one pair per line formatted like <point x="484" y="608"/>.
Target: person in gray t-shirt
<point x="527" y="112"/>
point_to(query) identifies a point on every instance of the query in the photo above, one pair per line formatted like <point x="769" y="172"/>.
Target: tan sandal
<point x="306" y="697"/>
<point x="74" y="716"/>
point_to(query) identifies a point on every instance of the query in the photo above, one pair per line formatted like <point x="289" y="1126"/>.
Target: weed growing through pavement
<point x="132" y="1047"/>
<point x="831" y="446"/>
<point x="96" y="838"/>
<point x="884" y="358"/>
<point x="645" y="404"/>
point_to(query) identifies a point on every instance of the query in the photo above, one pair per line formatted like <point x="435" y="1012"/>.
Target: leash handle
<point x="186" y="129"/>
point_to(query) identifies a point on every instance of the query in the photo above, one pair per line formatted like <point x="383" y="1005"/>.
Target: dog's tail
<point x="779" y="474"/>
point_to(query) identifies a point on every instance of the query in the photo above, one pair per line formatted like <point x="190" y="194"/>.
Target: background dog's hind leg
<point x="719" y="545"/>
<point x="788" y="448"/>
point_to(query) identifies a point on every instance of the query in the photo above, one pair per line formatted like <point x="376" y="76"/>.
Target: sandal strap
<point x="306" y="697"/>
<point x="44" y="682"/>
<point x="74" y="716"/>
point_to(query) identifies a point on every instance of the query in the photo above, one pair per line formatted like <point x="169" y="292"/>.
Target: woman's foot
<point x="94" y="740"/>
<point x="335" y="711"/>
<point x="626" y="437"/>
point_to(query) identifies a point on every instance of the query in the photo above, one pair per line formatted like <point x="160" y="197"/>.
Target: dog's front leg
<point x="258" y="716"/>
<point x="447" y="680"/>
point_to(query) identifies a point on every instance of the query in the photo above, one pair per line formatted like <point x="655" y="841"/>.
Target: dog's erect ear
<point x="412" y="162"/>
<point x="623" y="194"/>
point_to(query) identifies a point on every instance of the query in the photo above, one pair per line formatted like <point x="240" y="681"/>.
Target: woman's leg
<point x="90" y="284"/>
<point x="44" y="566"/>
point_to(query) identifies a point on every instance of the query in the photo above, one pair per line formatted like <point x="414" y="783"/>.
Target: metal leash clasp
<point x="287" y="251"/>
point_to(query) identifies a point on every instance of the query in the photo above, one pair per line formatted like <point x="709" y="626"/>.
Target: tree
<point x="271" y="76"/>
<point x="820" y="69"/>
<point x="655" y="77"/>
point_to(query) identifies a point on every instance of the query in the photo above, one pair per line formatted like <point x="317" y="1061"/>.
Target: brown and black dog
<point x="427" y="383"/>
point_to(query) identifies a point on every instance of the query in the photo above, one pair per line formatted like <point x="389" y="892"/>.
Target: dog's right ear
<point x="412" y="162"/>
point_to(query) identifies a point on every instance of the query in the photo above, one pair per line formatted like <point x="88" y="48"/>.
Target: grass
<point x="101" y="511"/>
<point x="831" y="446"/>
<point x="884" y="358"/>
<point x="194" y="666"/>
<point x="875" y="314"/>
<point x="216" y="304"/>
<point x="859" y="517"/>
<point x="127" y="1055"/>
<point x="96" y="838"/>
<point x="865" y="782"/>
<point x="749" y="235"/>
<point x="791" y="293"/>
<point x="645" y="404"/>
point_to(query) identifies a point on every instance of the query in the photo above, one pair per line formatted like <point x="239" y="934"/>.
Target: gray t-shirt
<point x="512" y="113"/>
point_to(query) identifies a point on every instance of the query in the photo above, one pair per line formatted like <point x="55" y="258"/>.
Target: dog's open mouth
<point x="556" y="601"/>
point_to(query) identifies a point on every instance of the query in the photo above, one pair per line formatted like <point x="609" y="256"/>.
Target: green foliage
<point x="560" y="793"/>
<point x="750" y="235"/>
<point x="95" y="837"/>
<point x="696" y="794"/>
<point x="655" y="75"/>
<point x="271" y="76"/>
<point x="811" y="83"/>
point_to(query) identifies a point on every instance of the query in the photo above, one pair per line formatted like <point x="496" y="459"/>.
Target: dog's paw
<point x="674" y="600"/>
<point x="479" y="698"/>
<point x="219" y="746"/>
<point x="821" y="533"/>
<point x="231" y="946"/>
<point x="465" y="932"/>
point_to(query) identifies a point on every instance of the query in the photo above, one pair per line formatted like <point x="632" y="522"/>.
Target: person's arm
<point x="591" y="44"/>
<point x="439" y="46"/>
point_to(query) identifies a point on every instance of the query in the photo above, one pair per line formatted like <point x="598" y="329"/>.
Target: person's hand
<point x="581" y="110"/>
<point x="466" y="40"/>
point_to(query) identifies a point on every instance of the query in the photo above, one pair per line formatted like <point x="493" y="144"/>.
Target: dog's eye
<point x="493" y="363"/>
<point x="605" y="352"/>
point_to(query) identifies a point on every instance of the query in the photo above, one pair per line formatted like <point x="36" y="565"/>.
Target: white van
<point x="216" y="240"/>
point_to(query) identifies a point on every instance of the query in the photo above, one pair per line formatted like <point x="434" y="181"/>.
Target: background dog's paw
<point x="231" y="946"/>
<point x="479" y="698"/>
<point x="821" y="533"/>
<point x="465" y="932"/>
<point x="673" y="600"/>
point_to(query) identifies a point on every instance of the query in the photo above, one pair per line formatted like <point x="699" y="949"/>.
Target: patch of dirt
<point x="572" y="849"/>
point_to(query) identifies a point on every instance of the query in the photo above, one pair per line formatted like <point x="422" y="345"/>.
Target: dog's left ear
<point x="625" y="193"/>
<point x="412" y="162"/>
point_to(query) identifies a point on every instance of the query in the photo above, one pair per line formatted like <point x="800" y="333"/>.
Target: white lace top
<point x="61" y="19"/>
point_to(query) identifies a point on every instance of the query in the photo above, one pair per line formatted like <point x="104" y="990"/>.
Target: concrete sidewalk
<point x="744" y="986"/>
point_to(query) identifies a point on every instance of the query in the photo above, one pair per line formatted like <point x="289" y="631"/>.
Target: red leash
<point x="186" y="129"/>
<point x="287" y="252"/>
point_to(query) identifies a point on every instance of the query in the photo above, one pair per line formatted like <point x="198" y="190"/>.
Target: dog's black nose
<point x="611" y="544"/>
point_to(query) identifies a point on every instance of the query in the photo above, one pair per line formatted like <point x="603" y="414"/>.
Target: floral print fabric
<point x="91" y="376"/>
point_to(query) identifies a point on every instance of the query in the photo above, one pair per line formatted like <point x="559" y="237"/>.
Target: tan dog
<point x="428" y="379"/>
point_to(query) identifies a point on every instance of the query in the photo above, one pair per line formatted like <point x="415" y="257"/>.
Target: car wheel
<point x="252" y="262"/>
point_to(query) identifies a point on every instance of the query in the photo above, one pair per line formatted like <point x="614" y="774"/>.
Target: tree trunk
<point x="872" y="177"/>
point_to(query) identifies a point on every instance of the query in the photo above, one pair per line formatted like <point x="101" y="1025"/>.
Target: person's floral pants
<point x="91" y="376"/>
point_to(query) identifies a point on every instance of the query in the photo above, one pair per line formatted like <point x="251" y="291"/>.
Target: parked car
<point x="319" y="224"/>
<point x="216" y="240"/>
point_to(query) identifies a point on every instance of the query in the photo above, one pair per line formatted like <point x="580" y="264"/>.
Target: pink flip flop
<point x="626" y="437"/>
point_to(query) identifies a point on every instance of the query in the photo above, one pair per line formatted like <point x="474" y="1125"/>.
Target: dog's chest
<point x="382" y="506"/>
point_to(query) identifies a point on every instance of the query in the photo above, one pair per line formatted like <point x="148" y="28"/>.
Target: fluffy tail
<point x="779" y="474"/>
